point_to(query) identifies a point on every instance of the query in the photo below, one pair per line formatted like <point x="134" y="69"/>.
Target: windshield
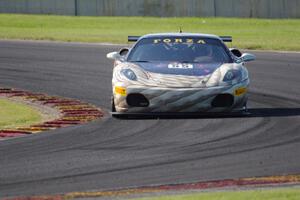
<point x="179" y="49"/>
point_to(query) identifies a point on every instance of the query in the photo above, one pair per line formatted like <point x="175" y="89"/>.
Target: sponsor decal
<point x="180" y="66"/>
<point x="120" y="90"/>
<point x="240" y="91"/>
<point x="179" y="40"/>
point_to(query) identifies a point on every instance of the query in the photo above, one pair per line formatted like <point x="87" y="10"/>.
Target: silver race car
<point x="179" y="72"/>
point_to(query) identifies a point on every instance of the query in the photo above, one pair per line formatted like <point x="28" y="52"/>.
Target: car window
<point x="180" y="49"/>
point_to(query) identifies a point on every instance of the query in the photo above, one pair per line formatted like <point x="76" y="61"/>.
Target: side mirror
<point x="247" y="57"/>
<point x="113" y="55"/>
<point x="123" y="51"/>
<point x="236" y="52"/>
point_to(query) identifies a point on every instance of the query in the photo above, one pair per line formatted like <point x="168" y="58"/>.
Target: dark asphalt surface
<point x="113" y="153"/>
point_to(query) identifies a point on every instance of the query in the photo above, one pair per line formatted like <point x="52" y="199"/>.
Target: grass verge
<point x="268" y="194"/>
<point x="14" y="115"/>
<point x="282" y="34"/>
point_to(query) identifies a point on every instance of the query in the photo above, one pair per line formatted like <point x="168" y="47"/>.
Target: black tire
<point x="245" y="108"/>
<point x="113" y="107"/>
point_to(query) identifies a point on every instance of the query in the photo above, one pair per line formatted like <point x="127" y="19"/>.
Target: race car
<point x="179" y="72"/>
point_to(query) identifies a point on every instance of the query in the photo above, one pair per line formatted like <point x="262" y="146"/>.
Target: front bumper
<point x="181" y="99"/>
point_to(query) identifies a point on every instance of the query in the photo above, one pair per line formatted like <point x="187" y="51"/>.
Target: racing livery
<point x="179" y="72"/>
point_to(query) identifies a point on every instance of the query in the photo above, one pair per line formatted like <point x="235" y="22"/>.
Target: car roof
<point x="181" y="35"/>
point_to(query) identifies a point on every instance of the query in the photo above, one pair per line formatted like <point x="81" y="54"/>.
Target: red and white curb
<point x="73" y="112"/>
<point x="221" y="184"/>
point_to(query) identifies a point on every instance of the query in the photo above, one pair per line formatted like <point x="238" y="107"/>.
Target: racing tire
<point x="113" y="107"/>
<point x="245" y="112"/>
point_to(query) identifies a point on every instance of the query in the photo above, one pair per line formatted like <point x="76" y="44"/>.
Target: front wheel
<point x="245" y="108"/>
<point x="113" y="107"/>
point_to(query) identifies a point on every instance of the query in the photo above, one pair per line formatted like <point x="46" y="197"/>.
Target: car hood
<point x="176" y="68"/>
<point x="165" y="75"/>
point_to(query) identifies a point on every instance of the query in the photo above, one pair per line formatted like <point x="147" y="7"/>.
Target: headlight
<point x="227" y="75"/>
<point x="233" y="75"/>
<point x="128" y="73"/>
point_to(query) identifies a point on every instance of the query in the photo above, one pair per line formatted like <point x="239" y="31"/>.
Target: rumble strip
<point x="72" y="112"/>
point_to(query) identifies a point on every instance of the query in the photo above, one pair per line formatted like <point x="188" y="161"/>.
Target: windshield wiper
<point x="187" y="61"/>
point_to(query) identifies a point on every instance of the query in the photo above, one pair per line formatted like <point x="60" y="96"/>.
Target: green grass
<point x="14" y="115"/>
<point x="283" y="34"/>
<point x="269" y="194"/>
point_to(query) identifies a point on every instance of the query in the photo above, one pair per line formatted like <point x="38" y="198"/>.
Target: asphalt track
<point x="112" y="153"/>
